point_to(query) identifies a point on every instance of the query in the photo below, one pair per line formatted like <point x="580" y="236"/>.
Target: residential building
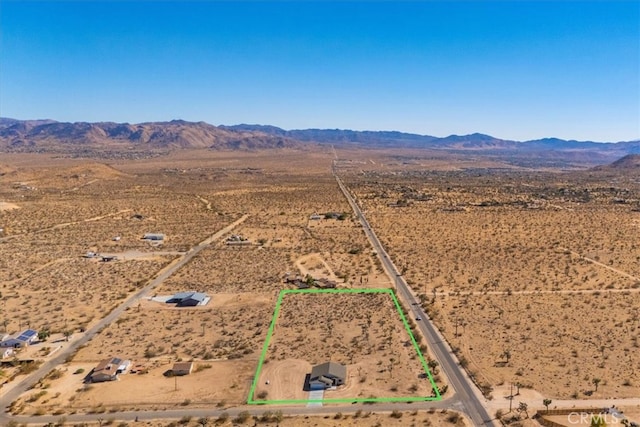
<point x="327" y="375"/>
<point x="108" y="369"/>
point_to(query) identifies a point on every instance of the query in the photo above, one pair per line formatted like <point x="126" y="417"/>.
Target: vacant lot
<point x="537" y="273"/>
<point x="361" y="331"/>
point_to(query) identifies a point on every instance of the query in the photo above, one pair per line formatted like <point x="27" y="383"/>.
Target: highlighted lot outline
<point x="283" y="293"/>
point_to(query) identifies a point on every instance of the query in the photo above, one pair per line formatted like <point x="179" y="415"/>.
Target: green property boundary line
<point x="265" y="348"/>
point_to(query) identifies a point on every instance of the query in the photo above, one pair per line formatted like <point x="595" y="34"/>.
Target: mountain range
<point x="50" y="135"/>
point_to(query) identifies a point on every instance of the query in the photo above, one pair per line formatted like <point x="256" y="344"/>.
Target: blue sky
<point x="513" y="69"/>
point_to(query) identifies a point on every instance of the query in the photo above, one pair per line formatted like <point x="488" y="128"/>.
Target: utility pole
<point x="511" y="397"/>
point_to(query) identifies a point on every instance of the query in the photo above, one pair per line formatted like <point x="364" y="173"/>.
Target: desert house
<point x="324" y="283"/>
<point x="327" y="375"/>
<point x="236" y="239"/>
<point x="189" y="299"/>
<point x="108" y="370"/>
<point x="153" y="237"/>
<point x="6" y="353"/>
<point x="182" y="368"/>
<point x="22" y="340"/>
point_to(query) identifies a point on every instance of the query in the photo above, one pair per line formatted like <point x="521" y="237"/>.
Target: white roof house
<point x="22" y="340"/>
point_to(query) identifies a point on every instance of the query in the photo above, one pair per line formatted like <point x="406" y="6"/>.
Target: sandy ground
<point x="363" y="419"/>
<point x="151" y="390"/>
<point x="286" y="379"/>
<point x="316" y="266"/>
<point x="632" y="414"/>
<point x="361" y="331"/>
<point x="540" y="264"/>
<point x="5" y="206"/>
<point x="60" y="221"/>
<point x="542" y="267"/>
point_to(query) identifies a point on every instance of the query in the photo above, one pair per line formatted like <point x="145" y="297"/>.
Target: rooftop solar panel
<point x="27" y="335"/>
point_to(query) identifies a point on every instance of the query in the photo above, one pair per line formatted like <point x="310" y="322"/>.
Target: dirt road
<point x="13" y="390"/>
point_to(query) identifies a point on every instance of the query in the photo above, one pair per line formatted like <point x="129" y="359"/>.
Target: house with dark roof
<point x="153" y="237"/>
<point x="108" y="370"/>
<point x="238" y="240"/>
<point x="23" y="339"/>
<point x="182" y="368"/>
<point x="189" y="299"/>
<point x="327" y="375"/>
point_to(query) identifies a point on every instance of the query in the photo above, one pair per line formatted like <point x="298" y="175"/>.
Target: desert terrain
<point x="362" y="331"/>
<point x="429" y="418"/>
<point x="492" y="250"/>
<point x="532" y="276"/>
<point x="187" y="198"/>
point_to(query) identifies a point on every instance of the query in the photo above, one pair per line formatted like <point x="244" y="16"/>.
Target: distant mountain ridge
<point x="628" y="162"/>
<point x="48" y="135"/>
<point x="26" y="135"/>
<point x="471" y="141"/>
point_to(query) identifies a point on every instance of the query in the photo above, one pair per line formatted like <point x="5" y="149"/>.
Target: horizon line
<point x="322" y="129"/>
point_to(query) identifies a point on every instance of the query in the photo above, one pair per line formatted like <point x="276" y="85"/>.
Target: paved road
<point x="15" y="390"/>
<point x="466" y="392"/>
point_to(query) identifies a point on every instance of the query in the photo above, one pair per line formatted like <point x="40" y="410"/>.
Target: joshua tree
<point x="595" y="382"/>
<point x="546" y="403"/>
<point x="204" y="421"/>
<point x="523" y="407"/>
<point x="43" y="334"/>
<point x="433" y="365"/>
<point x="507" y="355"/>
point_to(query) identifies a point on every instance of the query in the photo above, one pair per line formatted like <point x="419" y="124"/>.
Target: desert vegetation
<point x="84" y="206"/>
<point x="362" y="331"/>
<point x="532" y="276"/>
